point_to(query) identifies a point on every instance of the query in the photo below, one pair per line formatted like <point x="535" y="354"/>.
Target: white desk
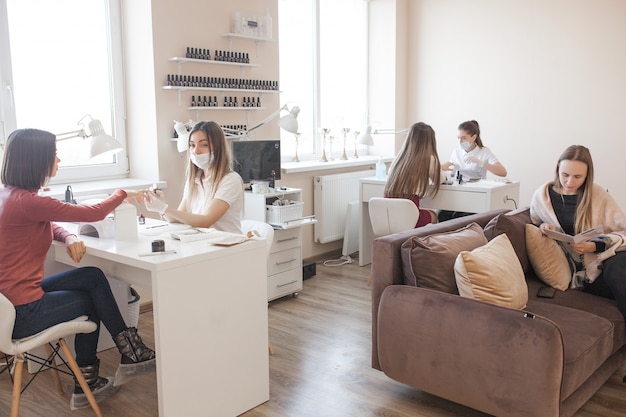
<point x="210" y="318"/>
<point x="472" y="197"/>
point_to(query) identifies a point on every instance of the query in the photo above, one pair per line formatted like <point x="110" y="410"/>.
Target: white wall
<point x="156" y="30"/>
<point x="537" y="75"/>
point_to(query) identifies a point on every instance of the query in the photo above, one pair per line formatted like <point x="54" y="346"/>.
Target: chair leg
<point x="71" y="362"/>
<point x="17" y="385"/>
<point x="53" y="369"/>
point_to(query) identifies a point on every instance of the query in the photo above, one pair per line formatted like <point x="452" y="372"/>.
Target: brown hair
<point x="472" y="127"/>
<point x="222" y="159"/>
<point x="29" y="157"/>
<point x="583" y="209"/>
<point x="416" y="164"/>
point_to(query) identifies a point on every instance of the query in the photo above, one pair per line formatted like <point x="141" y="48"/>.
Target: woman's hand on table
<point x="75" y="248"/>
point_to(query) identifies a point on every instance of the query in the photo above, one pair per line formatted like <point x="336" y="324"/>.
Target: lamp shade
<point x="101" y="143"/>
<point x="289" y="122"/>
<point x="182" y="143"/>
<point x="366" y="138"/>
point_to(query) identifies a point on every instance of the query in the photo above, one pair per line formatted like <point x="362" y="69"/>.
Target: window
<point x="58" y="69"/>
<point x="323" y="69"/>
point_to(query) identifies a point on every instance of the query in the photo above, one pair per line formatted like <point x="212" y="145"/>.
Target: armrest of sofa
<point x="487" y="357"/>
<point x="387" y="260"/>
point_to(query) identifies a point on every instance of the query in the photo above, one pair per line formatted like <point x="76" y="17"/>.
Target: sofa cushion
<point x="513" y="225"/>
<point x="580" y="300"/>
<point x="587" y="341"/>
<point x="429" y="261"/>
<point x="492" y="273"/>
<point x="547" y="259"/>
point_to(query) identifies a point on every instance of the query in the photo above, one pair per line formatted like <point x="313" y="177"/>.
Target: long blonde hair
<point x="585" y="192"/>
<point x="416" y="164"/>
<point x="222" y="159"/>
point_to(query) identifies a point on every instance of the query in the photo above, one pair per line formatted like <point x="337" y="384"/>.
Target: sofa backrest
<point x="387" y="260"/>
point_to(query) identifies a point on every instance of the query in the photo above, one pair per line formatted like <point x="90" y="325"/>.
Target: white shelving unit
<point x="284" y="264"/>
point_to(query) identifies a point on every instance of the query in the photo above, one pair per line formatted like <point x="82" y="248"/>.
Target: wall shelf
<point x="203" y="108"/>
<point x="183" y="60"/>
<point x="233" y="90"/>
<point x="256" y="40"/>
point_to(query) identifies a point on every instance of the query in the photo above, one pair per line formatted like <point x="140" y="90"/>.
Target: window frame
<point x="79" y="173"/>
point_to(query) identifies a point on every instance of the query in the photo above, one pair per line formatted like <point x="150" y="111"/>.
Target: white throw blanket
<point x="604" y="211"/>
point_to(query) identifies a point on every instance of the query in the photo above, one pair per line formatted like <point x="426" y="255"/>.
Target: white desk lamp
<point x="101" y="143"/>
<point x="367" y="139"/>
<point x="288" y="122"/>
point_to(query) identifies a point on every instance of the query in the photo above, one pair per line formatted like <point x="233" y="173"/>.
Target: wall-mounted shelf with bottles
<point x="182" y="60"/>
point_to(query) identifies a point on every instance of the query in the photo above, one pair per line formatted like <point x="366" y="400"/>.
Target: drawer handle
<point x="287" y="239"/>
<point x="287" y="261"/>
<point x="289" y="283"/>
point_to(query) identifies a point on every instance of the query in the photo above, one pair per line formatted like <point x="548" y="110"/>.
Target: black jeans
<point x="612" y="283"/>
<point x="67" y="295"/>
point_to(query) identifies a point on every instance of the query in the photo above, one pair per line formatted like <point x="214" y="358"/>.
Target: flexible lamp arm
<point x="267" y="119"/>
<point x="390" y="131"/>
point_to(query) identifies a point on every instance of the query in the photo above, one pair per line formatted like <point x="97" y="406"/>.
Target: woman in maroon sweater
<point x="26" y="233"/>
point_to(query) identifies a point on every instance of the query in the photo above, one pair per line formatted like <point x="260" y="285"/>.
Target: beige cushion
<point x="492" y="273"/>
<point x="547" y="259"/>
<point x="513" y="224"/>
<point x="429" y="261"/>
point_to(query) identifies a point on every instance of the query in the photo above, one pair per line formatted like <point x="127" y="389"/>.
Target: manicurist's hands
<point x="75" y="248"/>
<point x="155" y="201"/>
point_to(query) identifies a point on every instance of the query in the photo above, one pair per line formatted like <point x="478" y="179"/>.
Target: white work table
<point x="210" y="317"/>
<point x="472" y="197"/>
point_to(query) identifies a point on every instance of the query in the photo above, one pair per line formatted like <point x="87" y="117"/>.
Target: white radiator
<point x="331" y="196"/>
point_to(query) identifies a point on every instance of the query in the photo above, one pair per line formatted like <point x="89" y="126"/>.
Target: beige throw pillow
<point x="492" y="273"/>
<point x="547" y="259"/>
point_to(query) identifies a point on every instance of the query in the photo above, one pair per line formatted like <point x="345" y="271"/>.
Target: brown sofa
<point x="546" y="360"/>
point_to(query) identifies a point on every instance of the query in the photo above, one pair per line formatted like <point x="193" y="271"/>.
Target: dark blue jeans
<point x="67" y="295"/>
<point x="612" y="282"/>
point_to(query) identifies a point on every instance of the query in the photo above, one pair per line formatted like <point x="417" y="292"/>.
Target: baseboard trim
<point x="145" y="307"/>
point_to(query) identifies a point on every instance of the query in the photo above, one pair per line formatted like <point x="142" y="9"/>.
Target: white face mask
<point x="465" y="145"/>
<point x="203" y="160"/>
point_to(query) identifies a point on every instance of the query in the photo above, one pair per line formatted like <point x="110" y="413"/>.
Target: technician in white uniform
<point x="471" y="158"/>
<point x="213" y="195"/>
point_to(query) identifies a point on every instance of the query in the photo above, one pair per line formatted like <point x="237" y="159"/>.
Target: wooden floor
<point x="321" y="366"/>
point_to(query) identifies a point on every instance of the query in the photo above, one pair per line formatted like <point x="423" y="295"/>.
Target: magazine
<point x="581" y="237"/>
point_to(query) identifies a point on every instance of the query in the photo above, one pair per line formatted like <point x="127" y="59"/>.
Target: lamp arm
<point x="390" y="131"/>
<point x="267" y="119"/>
<point x="73" y="134"/>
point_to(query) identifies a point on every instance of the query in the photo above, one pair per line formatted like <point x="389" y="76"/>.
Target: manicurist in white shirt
<point x="213" y="195"/>
<point x="471" y="158"/>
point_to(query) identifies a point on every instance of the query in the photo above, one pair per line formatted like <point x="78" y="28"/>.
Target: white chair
<point x="263" y="231"/>
<point x="392" y="215"/>
<point x="18" y="348"/>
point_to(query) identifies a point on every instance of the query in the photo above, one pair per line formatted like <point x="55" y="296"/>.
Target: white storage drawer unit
<point x="284" y="263"/>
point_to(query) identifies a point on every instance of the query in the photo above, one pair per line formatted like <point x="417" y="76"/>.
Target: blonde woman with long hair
<point x="572" y="203"/>
<point x="213" y="195"/>
<point x="415" y="172"/>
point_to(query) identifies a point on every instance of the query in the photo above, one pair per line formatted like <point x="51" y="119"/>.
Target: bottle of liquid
<point x="381" y="169"/>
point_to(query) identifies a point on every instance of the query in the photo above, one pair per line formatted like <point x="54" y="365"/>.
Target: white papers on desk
<point x="196" y="233"/>
<point x="212" y="236"/>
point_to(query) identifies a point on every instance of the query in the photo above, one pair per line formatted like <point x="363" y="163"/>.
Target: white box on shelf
<point x="282" y="214"/>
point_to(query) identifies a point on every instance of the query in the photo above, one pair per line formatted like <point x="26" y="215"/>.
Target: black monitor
<point x="256" y="159"/>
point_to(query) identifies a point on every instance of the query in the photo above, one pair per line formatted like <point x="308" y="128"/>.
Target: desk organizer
<point x="282" y="214"/>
